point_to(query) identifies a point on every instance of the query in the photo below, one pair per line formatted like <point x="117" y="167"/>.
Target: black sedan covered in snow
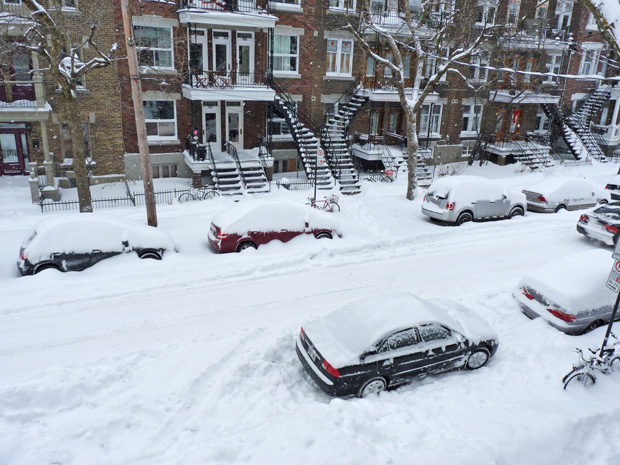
<point x="76" y="242"/>
<point x="387" y="340"/>
<point x="601" y="224"/>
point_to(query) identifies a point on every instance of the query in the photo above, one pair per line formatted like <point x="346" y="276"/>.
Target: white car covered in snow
<point x="559" y="193"/>
<point x="570" y="293"/>
<point x="76" y="242"/>
<point x="460" y="199"/>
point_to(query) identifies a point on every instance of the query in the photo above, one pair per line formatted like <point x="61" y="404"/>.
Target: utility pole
<point x="136" y="94"/>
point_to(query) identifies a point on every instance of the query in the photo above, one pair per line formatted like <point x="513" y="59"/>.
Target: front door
<point x="245" y="58"/>
<point x="13" y="149"/>
<point x="211" y="125"/>
<point x="234" y="124"/>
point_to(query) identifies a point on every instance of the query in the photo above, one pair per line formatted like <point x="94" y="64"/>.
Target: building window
<point x="589" y="62"/>
<point x="374" y="123"/>
<point x="563" y="12"/>
<point x="393" y="123"/>
<point x="286" y="53"/>
<point x="513" y="12"/>
<point x="553" y="66"/>
<point x="342" y="4"/>
<point x="472" y="114"/>
<point x="485" y="13"/>
<point x="160" y="117"/>
<point x="435" y="119"/>
<point x="388" y="71"/>
<point x="287" y="2"/>
<point x="467" y="151"/>
<point x="21" y="67"/>
<point x="339" y="57"/>
<point x="591" y="26"/>
<point x="542" y="122"/>
<point x="478" y="71"/>
<point x="377" y="7"/>
<point x="406" y="66"/>
<point x="541" y="12"/>
<point x="12" y="2"/>
<point x="164" y="171"/>
<point x="154" y="46"/>
<point x="330" y="110"/>
<point x="370" y="66"/>
<point x="279" y="127"/>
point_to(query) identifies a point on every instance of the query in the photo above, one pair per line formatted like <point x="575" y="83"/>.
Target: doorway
<point x="211" y="125"/>
<point x="234" y="124"/>
<point x="13" y="148"/>
<point x="245" y="58"/>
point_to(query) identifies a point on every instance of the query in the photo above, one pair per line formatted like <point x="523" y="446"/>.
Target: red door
<point x="12" y="145"/>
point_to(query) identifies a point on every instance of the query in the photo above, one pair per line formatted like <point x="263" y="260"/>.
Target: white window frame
<point x="145" y="22"/>
<point x="474" y="119"/>
<point x="542" y="122"/>
<point x="283" y="123"/>
<point x="512" y="13"/>
<point x="554" y="67"/>
<point x="158" y="138"/>
<point x="590" y="58"/>
<point x="393" y="122"/>
<point x="564" y="9"/>
<point x="370" y="66"/>
<point x="479" y="71"/>
<point x="342" y="5"/>
<point x="287" y="55"/>
<point x="591" y="25"/>
<point x="434" y="120"/>
<point x="487" y="5"/>
<point x="338" y="57"/>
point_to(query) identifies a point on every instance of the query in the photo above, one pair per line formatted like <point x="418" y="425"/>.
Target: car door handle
<point x="387" y="364"/>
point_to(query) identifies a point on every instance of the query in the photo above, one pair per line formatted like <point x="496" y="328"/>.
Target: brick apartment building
<point x="236" y="90"/>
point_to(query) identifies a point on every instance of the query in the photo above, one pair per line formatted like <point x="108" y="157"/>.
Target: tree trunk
<point x="74" y="120"/>
<point x="412" y="153"/>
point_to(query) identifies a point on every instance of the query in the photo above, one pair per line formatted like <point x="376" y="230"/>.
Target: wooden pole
<point x="136" y="94"/>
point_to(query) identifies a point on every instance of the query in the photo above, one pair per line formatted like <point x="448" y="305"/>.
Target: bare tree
<point x="61" y="36"/>
<point x="437" y="31"/>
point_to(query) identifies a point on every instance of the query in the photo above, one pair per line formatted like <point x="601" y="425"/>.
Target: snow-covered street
<point x="191" y="360"/>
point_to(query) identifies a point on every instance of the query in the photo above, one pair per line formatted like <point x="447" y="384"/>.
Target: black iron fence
<point x="295" y="185"/>
<point x="131" y="200"/>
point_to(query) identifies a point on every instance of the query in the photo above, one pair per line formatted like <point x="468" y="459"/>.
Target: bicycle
<point x="387" y="176"/>
<point x="328" y="204"/>
<point x="201" y="193"/>
<point x="583" y="372"/>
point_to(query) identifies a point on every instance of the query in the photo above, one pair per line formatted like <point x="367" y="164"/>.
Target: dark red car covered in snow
<point x="254" y="223"/>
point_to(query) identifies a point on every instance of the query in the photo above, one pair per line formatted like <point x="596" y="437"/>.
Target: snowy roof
<point x="549" y="185"/>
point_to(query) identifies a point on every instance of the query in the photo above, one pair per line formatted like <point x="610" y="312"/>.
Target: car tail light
<point x="330" y="369"/>
<point x="527" y="294"/>
<point x="450" y="206"/>
<point x="611" y="229"/>
<point x="583" y="219"/>
<point x="608" y="186"/>
<point x="303" y="334"/>
<point x="561" y="315"/>
<point x="221" y="235"/>
<point x="23" y="256"/>
<point x="541" y="198"/>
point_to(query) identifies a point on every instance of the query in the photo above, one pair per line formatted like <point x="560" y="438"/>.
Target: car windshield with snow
<point x="387" y="340"/>
<point x="601" y="224"/>
<point x="571" y="293"/>
<point x="557" y="193"/>
<point x="460" y="199"/>
<point x="253" y="223"/>
<point x="76" y="242"/>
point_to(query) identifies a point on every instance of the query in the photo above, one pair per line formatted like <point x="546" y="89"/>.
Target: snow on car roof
<point x="470" y="188"/>
<point x="85" y="232"/>
<point x="344" y="334"/>
<point x="577" y="283"/>
<point x="271" y="215"/>
<point x="551" y="184"/>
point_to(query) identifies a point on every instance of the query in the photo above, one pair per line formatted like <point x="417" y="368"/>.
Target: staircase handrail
<point x="585" y="119"/>
<point x="232" y="151"/>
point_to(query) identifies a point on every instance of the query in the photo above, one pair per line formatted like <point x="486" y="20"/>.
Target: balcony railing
<point x="232" y="79"/>
<point x="232" y="6"/>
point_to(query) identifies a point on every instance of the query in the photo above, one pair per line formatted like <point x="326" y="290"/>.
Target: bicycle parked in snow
<point x="583" y="372"/>
<point x="329" y="204"/>
<point x="202" y="193"/>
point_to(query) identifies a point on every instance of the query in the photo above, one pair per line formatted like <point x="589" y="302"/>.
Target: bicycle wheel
<point x="615" y="364"/>
<point x="579" y="379"/>
<point x="331" y="207"/>
<point x="210" y="195"/>
<point x="185" y="197"/>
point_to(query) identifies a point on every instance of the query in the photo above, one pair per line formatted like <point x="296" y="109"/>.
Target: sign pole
<point x="611" y="323"/>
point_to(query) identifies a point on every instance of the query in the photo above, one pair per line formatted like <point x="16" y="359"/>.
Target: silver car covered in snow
<point x="459" y="199"/>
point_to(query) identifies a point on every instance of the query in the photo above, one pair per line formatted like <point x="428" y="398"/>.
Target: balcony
<point x="214" y="85"/>
<point x="230" y="13"/>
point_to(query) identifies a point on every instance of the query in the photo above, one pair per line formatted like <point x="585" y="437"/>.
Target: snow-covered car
<point x="558" y="193"/>
<point x="384" y="341"/>
<point x="253" y="223"/>
<point x="613" y="186"/>
<point x="459" y="199"/>
<point x="601" y="224"/>
<point x="76" y="242"/>
<point x="570" y="293"/>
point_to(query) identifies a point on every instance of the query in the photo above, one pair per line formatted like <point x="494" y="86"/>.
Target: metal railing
<point x="232" y="6"/>
<point x="226" y="80"/>
<point x="295" y="185"/>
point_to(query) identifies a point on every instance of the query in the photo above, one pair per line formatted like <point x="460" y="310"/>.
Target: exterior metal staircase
<point x="250" y="170"/>
<point x="336" y="140"/>
<point x="305" y="139"/>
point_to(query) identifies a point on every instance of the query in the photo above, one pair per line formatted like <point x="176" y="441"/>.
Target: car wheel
<point x="592" y="326"/>
<point x="464" y="217"/>
<point x="246" y="245"/>
<point x="477" y="360"/>
<point x="150" y="254"/>
<point x="46" y="266"/>
<point x="560" y="207"/>
<point x="516" y="211"/>
<point x="373" y="387"/>
<point x="614" y="365"/>
<point x="323" y="235"/>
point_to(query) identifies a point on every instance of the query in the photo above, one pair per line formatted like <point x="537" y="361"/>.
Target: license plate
<point x="312" y="353"/>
